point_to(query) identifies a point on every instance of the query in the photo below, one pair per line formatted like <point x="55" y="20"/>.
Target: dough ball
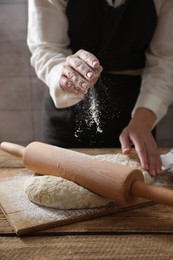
<point x="59" y="193"/>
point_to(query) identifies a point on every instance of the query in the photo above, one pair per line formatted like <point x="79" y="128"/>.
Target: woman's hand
<point x="79" y="72"/>
<point x="138" y="133"/>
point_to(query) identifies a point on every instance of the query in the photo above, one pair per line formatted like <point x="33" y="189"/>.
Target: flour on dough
<point x="56" y="192"/>
<point x="59" y="193"/>
<point x="127" y="161"/>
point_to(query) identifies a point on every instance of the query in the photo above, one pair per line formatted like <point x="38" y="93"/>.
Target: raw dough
<point x="56" y="192"/>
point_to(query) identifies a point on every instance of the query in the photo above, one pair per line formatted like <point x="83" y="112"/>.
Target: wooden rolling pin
<point x="107" y="179"/>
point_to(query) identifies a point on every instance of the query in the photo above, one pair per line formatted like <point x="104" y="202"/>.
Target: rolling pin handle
<point x="14" y="149"/>
<point x="151" y="192"/>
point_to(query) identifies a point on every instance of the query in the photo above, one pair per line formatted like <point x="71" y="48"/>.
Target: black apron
<point x="119" y="38"/>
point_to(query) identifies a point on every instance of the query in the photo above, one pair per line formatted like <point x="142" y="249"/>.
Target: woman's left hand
<point x="138" y="133"/>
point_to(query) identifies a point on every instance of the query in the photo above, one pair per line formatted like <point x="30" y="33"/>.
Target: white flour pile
<point x="56" y="192"/>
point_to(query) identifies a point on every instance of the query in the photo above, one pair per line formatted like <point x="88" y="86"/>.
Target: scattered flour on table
<point x="59" y="193"/>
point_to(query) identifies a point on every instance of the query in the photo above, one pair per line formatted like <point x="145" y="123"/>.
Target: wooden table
<point x="141" y="233"/>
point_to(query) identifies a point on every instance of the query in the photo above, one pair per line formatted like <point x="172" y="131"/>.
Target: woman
<point x="104" y="61"/>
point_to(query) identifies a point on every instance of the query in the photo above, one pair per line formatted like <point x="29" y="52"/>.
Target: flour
<point x="127" y="161"/>
<point x="94" y="111"/>
<point x="89" y="115"/>
<point x="98" y="109"/>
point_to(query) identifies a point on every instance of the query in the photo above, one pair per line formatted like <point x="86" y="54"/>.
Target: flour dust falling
<point x="94" y="111"/>
<point x="91" y="112"/>
<point x="96" y="108"/>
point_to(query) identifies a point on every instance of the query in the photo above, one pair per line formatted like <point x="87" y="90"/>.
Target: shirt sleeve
<point x="48" y="41"/>
<point x="157" y="80"/>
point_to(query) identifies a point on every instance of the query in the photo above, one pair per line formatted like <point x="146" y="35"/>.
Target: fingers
<point x="85" y="65"/>
<point x="68" y="86"/>
<point x="81" y="67"/>
<point x="80" y="72"/>
<point x="125" y="142"/>
<point x="72" y="80"/>
<point x="149" y="155"/>
<point x="89" y="58"/>
<point x="145" y="146"/>
<point x="147" y="151"/>
<point x="141" y="150"/>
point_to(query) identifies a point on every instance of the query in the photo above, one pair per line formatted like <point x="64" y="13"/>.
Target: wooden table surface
<point x="141" y="233"/>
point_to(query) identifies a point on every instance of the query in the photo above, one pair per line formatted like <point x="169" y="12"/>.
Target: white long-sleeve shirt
<point x="48" y="42"/>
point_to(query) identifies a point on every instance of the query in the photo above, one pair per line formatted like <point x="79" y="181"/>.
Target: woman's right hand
<point x="138" y="133"/>
<point x="79" y="72"/>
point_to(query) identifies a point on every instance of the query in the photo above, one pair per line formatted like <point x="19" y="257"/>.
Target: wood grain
<point x="140" y="233"/>
<point x="87" y="247"/>
<point x="149" y="219"/>
<point x="19" y="210"/>
<point x="26" y="217"/>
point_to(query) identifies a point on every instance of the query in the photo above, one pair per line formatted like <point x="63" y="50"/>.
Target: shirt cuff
<point x="60" y="98"/>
